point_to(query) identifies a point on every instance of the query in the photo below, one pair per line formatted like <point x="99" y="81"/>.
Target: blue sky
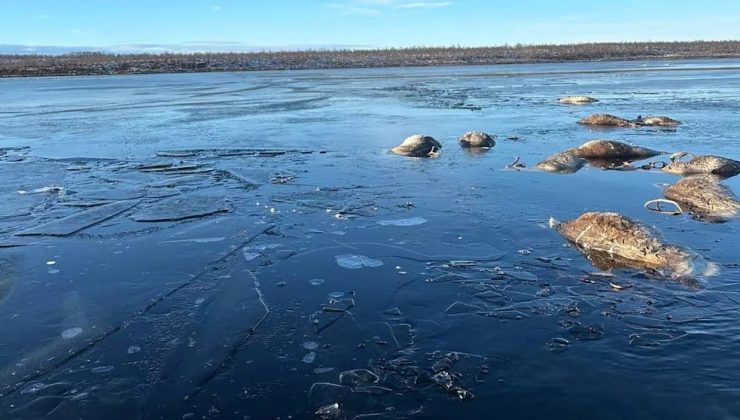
<point x="232" y="24"/>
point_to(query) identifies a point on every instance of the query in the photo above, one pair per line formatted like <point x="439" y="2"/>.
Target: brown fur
<point x="610" y="149"/>
<point x="705" y="165"/>
<point x="418" y="146"/>
<point x="626" y="239"/>
<point x="606" y="119"/>
<point x="475" y="139"/>
<point x="705" y="197"/>
<point x="563" y="162"/>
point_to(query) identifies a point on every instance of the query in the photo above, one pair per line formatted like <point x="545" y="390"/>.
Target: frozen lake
<point x="242" y="245"/>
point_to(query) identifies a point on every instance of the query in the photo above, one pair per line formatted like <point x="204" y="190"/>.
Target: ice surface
<point x="414" y="221"/>
<point x="79" y="221"/>
<point x="481" y="300"/>
<point x="178" y="209"/>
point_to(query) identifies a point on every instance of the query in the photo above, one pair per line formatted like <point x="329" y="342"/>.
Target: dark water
<point x="242" y="284"/>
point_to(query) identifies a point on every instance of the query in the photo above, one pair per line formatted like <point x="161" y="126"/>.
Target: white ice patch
<point x="71" y="332"/>
<point x="355" y="262"/>
<point x="310" y="345"/>
<point x="195" y="240"/>
<point x="309" y="358"/>
<point x="250" y="254"/>
<point x="413" y="221"/>
<point x="266" y="247"/>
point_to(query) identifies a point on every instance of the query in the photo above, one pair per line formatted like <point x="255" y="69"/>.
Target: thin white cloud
<point x="424" y="5"/>
<point x="378" y="7"/>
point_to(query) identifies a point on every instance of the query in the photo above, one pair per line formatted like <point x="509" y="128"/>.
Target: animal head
<point x="676" y="167"/>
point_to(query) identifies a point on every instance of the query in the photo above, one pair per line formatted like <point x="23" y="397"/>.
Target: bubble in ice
<point x="316" y="282"/>
<point x="101" y="369"/>
<point x="133" y="349"/>
<point x="51" y="262"/>
<point x="354" y="262"/>
<point x="199" y="301"/>
<point x="310" y="345"/>
<point x="322" y="370"/>
<point x="413" y="221"/>
<point x="309" y="358"/>
<point x="54" y="271"/>
<point x="71" y="332"/>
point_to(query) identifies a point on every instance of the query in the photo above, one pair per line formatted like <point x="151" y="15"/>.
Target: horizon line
<point x="162" y="49"/>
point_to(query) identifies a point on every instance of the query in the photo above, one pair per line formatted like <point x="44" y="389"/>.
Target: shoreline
<point x="415" y="66"/>
<point x="99" y="64"/>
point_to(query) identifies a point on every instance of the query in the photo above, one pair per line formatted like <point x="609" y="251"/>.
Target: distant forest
<point x="96" y="63"/>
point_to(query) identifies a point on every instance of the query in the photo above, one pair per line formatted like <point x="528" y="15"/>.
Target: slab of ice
<point x="181" y="208"/>
<point x="413" y="221"/>
<point x="113" y="194"/>
<point x="178" y="181"/>
<point x="355" y="262"/>
<point x="176" y="153"/>
<point x="79" y="221"/>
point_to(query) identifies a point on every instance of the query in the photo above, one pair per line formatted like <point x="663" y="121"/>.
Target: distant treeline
<point x="96" y="63"/>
